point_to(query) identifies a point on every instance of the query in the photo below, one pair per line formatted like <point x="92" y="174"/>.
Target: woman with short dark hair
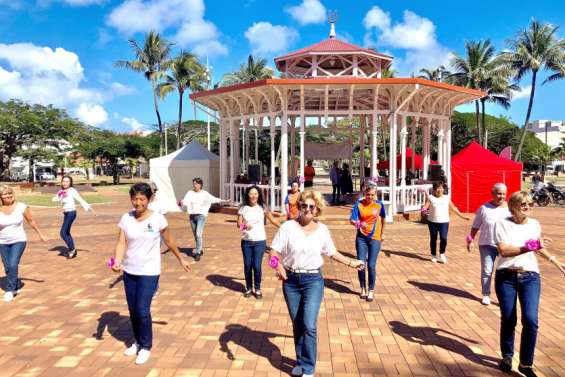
<point x="138" y="255"/>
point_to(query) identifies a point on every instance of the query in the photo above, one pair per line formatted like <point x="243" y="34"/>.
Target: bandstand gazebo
<point x="323" y="82"/>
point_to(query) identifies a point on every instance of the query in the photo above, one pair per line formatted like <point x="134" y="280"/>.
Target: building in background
<point x="551" y="132"/>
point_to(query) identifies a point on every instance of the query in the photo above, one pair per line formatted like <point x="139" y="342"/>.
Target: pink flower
<point x="274" y="261"/>
<point x="61" y="194"/>
<point x="111" y="262"/>
<point x="359" y="224"/>
<point x="532" y="245"/>
<point x="180" y="203"/>
<point x="424" y="211"/>
<point x="469" y="238"/>
<point x="243" y="227"/>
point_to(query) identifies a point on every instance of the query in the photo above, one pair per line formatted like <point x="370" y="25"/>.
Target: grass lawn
<point x="44" y="200"/>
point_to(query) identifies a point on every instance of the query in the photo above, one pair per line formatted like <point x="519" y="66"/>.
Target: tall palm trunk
<point x="530" y="105"/>
<point x="159" y="124"/>
<point x="179" y="125"/>
<point x="483" y="123"/>
<point x="478" y="120"/>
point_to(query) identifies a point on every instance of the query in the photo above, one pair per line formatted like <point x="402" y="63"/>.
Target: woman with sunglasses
<point x="251" y="221"/>
<point x="438" y="207"/>
<point x="296" y="255"/>
<point x="519" y="239"/>
<point x="368" y="216"/>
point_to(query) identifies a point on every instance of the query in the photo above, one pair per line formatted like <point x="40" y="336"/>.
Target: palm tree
<point x="535" y="48"/>
<point x="152" y="59"/>
<point x="186" y="73"/>
<point x="253" y="71"/>
<point x="439" y="74"/>
<point x="473" y="70"/>
<point x="388" y="73"/>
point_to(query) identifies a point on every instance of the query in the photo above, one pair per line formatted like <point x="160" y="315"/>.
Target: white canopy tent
<point x="173" y="173"/>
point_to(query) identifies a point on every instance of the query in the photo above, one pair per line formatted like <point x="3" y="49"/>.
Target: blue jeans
<point x="140" y="290"/>
<point x="367" y="251"/>
<point x="253" y="252"/>
<point x="11" y="255"/>
<point x="488" y="256"/>
<point x="525" y="286"/>
<point x="197" y="224"/>
<point x="68" y="219"/>
<point x="303" y="294"/>
<point x="434" y="229"/>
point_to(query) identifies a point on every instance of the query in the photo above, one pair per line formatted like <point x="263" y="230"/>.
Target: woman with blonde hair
<point x="296" y="256"/>
<point x="519" y="239"/>
<point x="13" y="238"/>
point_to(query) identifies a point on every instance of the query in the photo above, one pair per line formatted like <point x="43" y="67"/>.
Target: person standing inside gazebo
<point x="334" y="177"/>
<point x="291" y="201"/>
<point x="309" y="174"/>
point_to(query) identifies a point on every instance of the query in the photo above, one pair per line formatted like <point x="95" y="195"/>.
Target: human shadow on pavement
<point x="22" y="280"/>
<point x="62" y="250"/>
<point x="429" y="287"/>
<point x="430" y="336"/>
<point x="339" y="288"/>
<point x="258" y="342"/>
<point x="119" y="326"/>
<point x="405" y="254"/>
<point x="116" y="281"/>
<point x="228" y="282"/>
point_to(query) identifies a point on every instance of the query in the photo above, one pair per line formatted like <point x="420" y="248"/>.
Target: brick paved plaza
<point x="72" y="320"/>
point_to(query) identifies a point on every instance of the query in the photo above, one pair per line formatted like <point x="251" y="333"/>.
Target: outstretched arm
<point x="453" y="208"/>
<point x="172" y="245"/>
<point x="29" y="219"/>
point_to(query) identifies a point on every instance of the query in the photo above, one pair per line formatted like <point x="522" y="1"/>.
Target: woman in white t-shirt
<point x="67" y="196"/>
<point x="13" y="238"/>
<point x="296" y="254"/>
<point x="438" y="206"/>
<point x="138" y="255"/>
<point x="519" y="239"/>
<point x="486" y="217"/>
<point x="251" y="221"/>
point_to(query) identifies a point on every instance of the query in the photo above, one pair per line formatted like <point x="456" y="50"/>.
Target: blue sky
<point x="62" y="51"/>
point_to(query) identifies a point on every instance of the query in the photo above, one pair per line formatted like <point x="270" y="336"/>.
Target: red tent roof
<point x="473" y="155"/>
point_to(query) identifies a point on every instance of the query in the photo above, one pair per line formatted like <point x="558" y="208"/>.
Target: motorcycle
<point x="540" y="195"/>
<point x="557" y="195"/>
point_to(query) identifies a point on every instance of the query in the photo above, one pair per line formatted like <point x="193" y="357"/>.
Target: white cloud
<point x="415" y="34"/>
<point x="266" y="38"/>
<point x="47" y="76"/>
<point x="133" y="123"/>
<point x="120" y="89"/>
<point x="308" y="12"/>
<point x="185" y="16"/>
<point x="524" y="92"/>
<point x="82" y="3"/>
<point x="92" y="114"/>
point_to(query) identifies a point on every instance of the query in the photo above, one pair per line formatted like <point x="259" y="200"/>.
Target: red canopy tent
<point x="418" y="161"/>
<point x="474" y="170"/>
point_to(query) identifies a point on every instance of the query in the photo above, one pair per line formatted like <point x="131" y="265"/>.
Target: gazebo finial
<point x="332" y="19"/>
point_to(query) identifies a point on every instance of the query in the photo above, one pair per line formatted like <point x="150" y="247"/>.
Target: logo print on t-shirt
<point x="149" y="228"/>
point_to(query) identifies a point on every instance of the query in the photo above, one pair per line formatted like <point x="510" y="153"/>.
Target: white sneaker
<point x="296" y="371"/>
<point x="142" y="356"/>
<point x="443" y="258"/>
<point x="8" y="296"/>
<point x="434" y="260"/>
<point x="131" y="350"/>
<point x="485" y="300"/>
<point x="307" y="375"/>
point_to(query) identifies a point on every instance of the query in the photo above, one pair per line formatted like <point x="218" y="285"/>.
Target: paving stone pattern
<point x="71" y="318"/>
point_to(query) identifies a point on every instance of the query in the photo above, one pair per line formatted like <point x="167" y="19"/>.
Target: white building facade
<point x="550" y="132"/>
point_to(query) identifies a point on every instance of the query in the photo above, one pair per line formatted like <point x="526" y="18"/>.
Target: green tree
<point x="33" y="132"/>
<point x="439" y="74"/>
<point x="153" y="60"/>
<point x="252" y="71"/>
<point x="186" y="73"/>
<point x="474" y="70"/>
<point x="535" y="48"/>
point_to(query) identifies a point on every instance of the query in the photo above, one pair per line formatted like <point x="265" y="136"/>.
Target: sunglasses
<point x="526" y="205"/>
<point x="305" y="206"/>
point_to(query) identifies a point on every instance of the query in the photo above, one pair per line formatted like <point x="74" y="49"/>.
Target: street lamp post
<point x="209" y="82"/>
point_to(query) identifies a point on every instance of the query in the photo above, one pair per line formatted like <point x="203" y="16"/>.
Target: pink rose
<point x="274" y="261"/>
<point x="532" y="245"/>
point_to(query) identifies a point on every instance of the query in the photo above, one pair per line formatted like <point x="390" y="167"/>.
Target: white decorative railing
<point x="411" y="198"/>
<point x="239" y="194"/>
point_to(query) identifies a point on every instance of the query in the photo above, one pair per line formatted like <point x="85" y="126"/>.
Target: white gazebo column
<point x="440" y="148"/>
<point x="362" y="124"/>
<point x="403" y="141"/>
<point x="223" y="158"/>
<point x="293" y="145"/>
<point x="302" y="136"/>
<point x="245" y="125"/>
<point x="393" y="127"/>
<point x="426" y="147"/>
<point x="234" y="130"/>
<point x="236" y="169"/>
<point x="256" y="155"/>
<point x="413" y="145"/>
<point x="374" y="134"/>
<point x="284" y="156"/>
<point x="448" y="151"/>
<point x="272" y="133"/>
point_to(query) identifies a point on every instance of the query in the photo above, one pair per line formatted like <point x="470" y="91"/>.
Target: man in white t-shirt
<point x="197" y="203"/>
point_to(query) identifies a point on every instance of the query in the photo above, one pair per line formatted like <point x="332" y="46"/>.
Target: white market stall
<point x="173" y="173"/>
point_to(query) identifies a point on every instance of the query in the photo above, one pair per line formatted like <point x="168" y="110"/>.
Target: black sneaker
<point x="506" y="364"/>
<point x="247" y="293"/>
<point x="197" y="257"/>
<point x="72" y="254"/>
<point x="527" y="371"/>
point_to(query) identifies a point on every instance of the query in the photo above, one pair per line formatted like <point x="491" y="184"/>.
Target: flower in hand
<point x="274" y="262"/>
<point x="61" y="194"/>
<point x="532" y="245"/>
<point x="180" y="203"/>
<point x="424" y="211"/>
